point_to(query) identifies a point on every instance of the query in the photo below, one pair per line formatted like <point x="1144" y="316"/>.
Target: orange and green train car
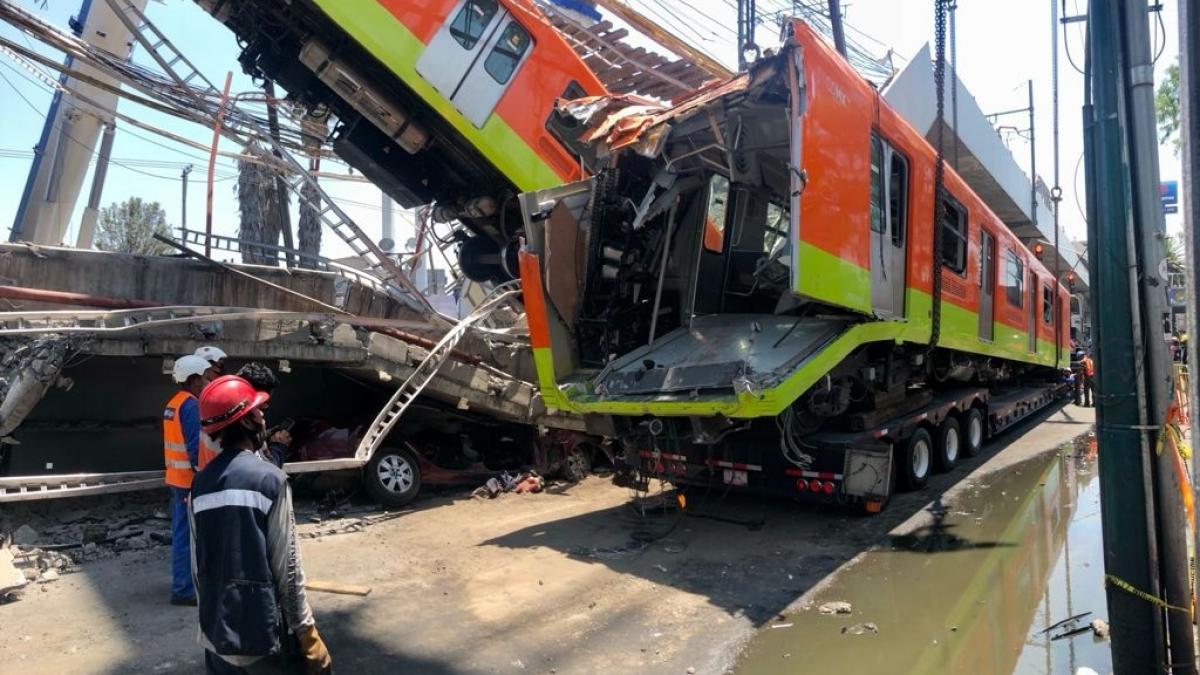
<point x="449" y="102"/>
<point x="755" y="264"/>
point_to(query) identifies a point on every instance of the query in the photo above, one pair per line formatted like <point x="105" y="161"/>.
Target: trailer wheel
<point x="949" y="444"/>
<point x="972" y="428"/>
<point x="915" y="460"/>
<point x="393" y="476"/>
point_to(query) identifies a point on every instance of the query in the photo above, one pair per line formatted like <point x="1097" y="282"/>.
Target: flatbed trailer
<point x="862" y="467"/>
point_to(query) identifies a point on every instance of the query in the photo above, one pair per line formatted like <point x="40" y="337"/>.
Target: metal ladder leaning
<point x="415" y="383"/>
<point x="329" y="213"/>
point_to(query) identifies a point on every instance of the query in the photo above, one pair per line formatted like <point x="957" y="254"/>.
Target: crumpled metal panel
<point x="718" y="350"/>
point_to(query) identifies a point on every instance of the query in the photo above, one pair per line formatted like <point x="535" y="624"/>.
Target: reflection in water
<point x="973" y="591"/>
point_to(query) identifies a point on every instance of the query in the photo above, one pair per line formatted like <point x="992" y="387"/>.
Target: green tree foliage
<point x="1173" y="253"/>
<point x="1166" y="104"/>
<point x="129" y="227"/>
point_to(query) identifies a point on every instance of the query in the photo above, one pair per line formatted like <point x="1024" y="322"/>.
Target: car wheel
<point x="577" y="465"/>
<point x="949" y="444"/>
<point x="916" y="460"/>
<point x="393" y="476"/>
<point x="972" y="428"/>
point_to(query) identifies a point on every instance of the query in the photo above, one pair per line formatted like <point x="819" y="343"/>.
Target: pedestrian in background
<point x="1089" y="378"/>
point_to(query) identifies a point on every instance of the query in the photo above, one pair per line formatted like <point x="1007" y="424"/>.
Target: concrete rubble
<point x="39" y="542"/>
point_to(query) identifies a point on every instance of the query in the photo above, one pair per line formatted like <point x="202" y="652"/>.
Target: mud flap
<point x="868" y="471"/>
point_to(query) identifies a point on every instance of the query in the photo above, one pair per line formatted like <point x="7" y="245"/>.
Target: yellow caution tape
<point x="1129" y="588"/>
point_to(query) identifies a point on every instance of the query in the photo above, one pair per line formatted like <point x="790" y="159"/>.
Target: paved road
<point x="523" y="584"/>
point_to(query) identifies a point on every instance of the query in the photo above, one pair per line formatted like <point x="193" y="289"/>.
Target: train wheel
<point x="972" y="428"/>
<point x="949" y="444"/>
<point x="915" y="460"/>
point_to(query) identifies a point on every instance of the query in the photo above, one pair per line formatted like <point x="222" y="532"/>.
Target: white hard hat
<point x="186" y="366"/>
<point x="210" y="353"/>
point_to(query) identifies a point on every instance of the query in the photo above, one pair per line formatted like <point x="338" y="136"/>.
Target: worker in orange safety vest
<point x="181" y="448"/>
<point x="1089" y="379"/>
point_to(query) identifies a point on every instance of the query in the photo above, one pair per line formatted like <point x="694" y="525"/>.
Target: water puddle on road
<point x="972" y="592"/>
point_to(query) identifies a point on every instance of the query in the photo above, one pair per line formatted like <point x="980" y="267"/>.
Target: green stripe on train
<point x="390" y="41"/>
<point x="960" y="330"/>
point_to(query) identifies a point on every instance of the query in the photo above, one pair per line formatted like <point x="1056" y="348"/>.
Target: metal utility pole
<point x="951" y="8"/>
<point x="183" y="183"/>
<point x="747" y="21"/>
<point x="1145" y="548"/>
<point x="1056" y="191"/>
<point x="835" y="20"/>
<point x="1189" y="132"/>
<point x="1032" y="161"/>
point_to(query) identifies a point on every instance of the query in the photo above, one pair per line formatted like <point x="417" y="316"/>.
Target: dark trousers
<point x="268" y="665"/>
<point x="181" y="546"/>
<point x="1088" y="386"/>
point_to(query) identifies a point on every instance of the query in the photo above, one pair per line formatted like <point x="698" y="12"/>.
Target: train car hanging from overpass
<point x="756" y="264"/>
<point x="437" y="101"/>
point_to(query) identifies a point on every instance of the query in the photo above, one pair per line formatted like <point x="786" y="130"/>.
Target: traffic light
<point x="1071" y="281"/>
<point x="1038" y="250"/>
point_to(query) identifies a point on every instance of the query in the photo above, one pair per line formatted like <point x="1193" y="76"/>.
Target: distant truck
<point x="765" y="286"/>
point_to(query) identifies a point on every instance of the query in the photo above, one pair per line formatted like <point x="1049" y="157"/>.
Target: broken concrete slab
<point x="11" y="578"/>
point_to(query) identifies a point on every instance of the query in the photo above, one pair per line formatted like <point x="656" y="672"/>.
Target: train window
<point x="1047" y="305"/>
<point x="898" y="197"/>
<point x="471" y="20"/>
<point x="714" y="215"/>
<point x="1014" y="280"/>
<point x="954" y="236"/>
<point x="502" y="62"/>
<point x="567" y="129"/>
<point x="878" y="201"/>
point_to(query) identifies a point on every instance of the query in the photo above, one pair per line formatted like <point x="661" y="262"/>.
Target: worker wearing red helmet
<point x="245" y="557"/>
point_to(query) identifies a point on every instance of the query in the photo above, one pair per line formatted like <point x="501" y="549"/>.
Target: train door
<point x="987" y="285"/>
<point x="1033" y="312"/>
<point x="889" y="221"/>
<point x="472" y="58"/>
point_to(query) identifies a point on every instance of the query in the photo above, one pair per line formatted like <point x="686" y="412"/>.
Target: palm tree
<point x="1173" y="253"/>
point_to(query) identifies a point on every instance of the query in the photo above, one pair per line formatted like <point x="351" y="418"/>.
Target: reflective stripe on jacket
<point x="175" y="454"/>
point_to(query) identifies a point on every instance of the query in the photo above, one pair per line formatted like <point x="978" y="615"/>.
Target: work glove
<point x="317" y="660"/>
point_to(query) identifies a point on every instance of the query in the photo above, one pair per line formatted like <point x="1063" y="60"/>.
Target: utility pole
<point x="1145" y="552"/>
<point x="1056" y="191"/>
<point x="1032" y="161"/>
<point x="1189" y="132"/>
<point x="835" y="20"/>
<point x="183" y="183"/>
<point x="747" y="21"/>
<point x="951" y="9"/>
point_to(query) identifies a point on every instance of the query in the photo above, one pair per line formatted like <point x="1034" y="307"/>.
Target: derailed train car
<point x="748" y="293"/>
<point x="446" y="102"/>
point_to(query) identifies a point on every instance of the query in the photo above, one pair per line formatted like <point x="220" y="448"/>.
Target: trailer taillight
<point x="815" y="486"/>
<point x="829" y="487"/>
<point x="802" y="485"/>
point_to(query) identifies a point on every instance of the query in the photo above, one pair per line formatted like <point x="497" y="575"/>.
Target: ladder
<point x="173" y="63"/>
<point x="421" y="376"/>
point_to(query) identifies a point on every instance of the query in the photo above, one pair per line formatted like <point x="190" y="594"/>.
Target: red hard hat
<point x="226" y="400"/>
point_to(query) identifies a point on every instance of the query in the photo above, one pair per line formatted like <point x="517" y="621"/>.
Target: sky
<point x="1000" y="45"/>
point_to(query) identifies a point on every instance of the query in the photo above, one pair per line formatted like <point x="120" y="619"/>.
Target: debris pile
<point x="39" y="542"/>
<point x="521" y="483"/>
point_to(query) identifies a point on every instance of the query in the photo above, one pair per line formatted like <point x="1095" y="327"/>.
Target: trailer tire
<point x="949" y="444"/>
<point x="972" y="428"/>
<point x="393" y="476"/>
<point x="915" y="460"/>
